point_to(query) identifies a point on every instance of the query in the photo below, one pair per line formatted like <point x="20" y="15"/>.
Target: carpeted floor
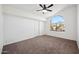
<point x="42" y="45"/>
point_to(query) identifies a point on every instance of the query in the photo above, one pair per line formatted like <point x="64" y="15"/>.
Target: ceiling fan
<point x="45" y="8"/>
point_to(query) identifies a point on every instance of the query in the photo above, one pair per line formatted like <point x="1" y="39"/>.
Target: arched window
<point x="57" y="23"/>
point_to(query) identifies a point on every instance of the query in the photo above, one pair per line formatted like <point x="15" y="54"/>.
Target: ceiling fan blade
<point x="41" y="5"/>
<point x="49" y="10"/>
<point x="50" y="6"/>
<point x="44" y="6"/>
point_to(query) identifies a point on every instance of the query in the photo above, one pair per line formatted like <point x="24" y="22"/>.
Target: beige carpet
<point x="44" y="44"/>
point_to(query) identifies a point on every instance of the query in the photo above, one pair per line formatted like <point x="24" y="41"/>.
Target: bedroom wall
<point x="78" y="25"/>
<point x="1" y="29"/>
<point x="21" y="28"/>
<point x="70" y="22"/>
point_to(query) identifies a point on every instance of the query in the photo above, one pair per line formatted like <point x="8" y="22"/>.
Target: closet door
<point x="41" y="28"/>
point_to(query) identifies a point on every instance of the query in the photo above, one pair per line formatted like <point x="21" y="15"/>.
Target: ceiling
<point x="31" y="9"/>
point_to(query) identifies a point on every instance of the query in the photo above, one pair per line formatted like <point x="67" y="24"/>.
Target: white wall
<point x="1" y="29"/>
<point x="78" y="25"/>
<point x="70" y="22"/>
<point x="19" y="28"/>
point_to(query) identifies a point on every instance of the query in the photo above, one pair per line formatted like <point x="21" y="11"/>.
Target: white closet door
<point x="41" y="28"/>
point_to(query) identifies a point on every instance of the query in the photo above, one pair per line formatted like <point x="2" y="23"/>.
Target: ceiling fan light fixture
<point x="44" y="11"/>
